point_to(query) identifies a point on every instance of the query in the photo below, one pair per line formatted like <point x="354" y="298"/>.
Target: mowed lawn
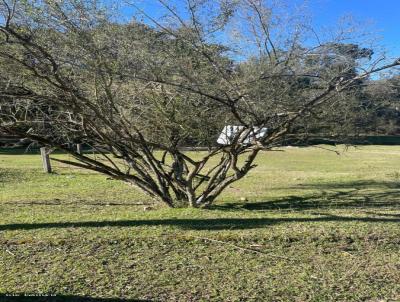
<point x="315" y="227"/>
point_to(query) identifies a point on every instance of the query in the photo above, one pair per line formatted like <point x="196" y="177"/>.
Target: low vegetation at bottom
<point x="306" y="225"/>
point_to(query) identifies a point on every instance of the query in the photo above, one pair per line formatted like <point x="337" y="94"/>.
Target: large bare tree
<point x="140" y="86"/>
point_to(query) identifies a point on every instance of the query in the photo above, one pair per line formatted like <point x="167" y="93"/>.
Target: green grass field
<point x="316" y="227"/>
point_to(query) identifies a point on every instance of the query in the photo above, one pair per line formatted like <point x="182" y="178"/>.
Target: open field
<point x="316" y="227"/>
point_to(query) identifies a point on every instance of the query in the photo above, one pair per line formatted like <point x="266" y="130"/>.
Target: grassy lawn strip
<point x="316" y="227"/>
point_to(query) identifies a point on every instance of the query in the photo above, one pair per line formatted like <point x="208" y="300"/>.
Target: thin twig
<point x="10" y="252"/>
<point x="245" y="249"/>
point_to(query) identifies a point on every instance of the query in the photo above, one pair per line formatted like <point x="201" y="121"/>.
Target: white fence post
<point x="79" y="148"/>
<point x="45" y="160"/>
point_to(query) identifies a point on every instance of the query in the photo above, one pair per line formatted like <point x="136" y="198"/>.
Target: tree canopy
<point x="139" y="91"/>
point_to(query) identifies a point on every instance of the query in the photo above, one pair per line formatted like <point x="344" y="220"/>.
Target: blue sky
<point x="385" y="15"/>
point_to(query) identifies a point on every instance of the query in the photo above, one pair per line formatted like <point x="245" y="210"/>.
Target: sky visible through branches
<point x="379" y="16"/>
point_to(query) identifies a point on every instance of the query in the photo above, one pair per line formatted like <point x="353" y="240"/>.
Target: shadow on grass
<point x="57" y="202"/>
<point x="357" y="184"/>
<point x="358" y="194"/>
<point x="64" y="298"/>
<point x="211" y="224"/>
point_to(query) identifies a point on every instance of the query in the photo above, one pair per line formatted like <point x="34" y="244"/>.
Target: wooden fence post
<point x="45" y="160"/>
<point x="79" y="148"/>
